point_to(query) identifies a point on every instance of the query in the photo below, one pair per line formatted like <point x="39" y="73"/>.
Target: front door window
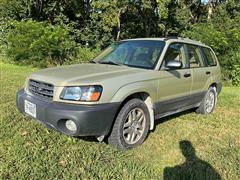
<point x="176" y="51"/>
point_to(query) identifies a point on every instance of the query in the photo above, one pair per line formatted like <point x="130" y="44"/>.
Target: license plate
<point x="30" y="108"/>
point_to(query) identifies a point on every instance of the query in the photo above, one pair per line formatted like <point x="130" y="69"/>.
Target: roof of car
<point x="171" y="39"/>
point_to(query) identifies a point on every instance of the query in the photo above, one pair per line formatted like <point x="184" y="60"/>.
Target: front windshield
<point x="135" y="53"/>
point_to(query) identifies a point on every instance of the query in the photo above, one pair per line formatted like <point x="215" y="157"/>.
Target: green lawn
<point x="30" y="150"/>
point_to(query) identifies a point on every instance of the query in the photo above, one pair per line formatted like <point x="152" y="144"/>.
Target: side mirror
<point x="174" y="64"/>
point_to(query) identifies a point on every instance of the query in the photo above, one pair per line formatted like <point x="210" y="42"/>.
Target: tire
<point x="209" y="102"/>
<point x="133" y="120"/>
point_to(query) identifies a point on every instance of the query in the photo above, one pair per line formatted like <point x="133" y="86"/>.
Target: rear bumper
<point x="91" y="120"/>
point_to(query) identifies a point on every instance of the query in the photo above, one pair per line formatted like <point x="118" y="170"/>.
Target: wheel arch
<point x="146" y="98"/>
<point x="217" y="86"/>
<point x="213" y="85"/>
<point x="144" y="90"/>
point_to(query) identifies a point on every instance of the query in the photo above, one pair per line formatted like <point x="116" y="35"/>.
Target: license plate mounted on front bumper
<point x="30" y="108"/>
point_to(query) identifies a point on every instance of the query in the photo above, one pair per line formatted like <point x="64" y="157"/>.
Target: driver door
<point x="174" y="84"/>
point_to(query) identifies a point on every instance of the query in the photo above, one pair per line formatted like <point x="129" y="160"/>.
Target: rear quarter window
<point x="210" y="57"/>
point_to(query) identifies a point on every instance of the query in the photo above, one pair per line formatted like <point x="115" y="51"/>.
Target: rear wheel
<point x="209" y="101"/>
<point x="131" y="126"/>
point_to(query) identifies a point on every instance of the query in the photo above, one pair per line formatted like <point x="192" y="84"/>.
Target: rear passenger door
<point x="199" y="71"/>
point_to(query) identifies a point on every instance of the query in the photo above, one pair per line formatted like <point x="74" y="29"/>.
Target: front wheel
<point x="131" y="126"/>
<point x="209" y="101"/>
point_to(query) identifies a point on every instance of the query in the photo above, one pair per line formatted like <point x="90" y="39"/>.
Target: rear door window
<point x="194" y="55"/>
<point x="209" y="56"/>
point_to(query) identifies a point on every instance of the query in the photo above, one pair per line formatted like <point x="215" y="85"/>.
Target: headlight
<point x="82" y="93"/>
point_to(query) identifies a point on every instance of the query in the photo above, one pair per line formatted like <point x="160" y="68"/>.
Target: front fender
<point x="150" y="87"/>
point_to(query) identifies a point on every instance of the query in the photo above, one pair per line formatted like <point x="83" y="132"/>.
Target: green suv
<point x="120" y="93"/>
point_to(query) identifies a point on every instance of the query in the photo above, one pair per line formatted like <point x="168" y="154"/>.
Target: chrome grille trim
<point x="41" y="89"/>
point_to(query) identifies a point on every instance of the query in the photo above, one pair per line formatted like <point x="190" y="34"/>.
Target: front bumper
<point x="91" y="120"/>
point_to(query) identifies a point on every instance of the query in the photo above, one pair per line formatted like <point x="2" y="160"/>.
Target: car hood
<point x="82" y="74"/>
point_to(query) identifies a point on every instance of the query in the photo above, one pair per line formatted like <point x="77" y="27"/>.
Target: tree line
<point x="51" y="32"/>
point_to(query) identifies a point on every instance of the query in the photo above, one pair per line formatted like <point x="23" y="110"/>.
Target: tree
<point x="210" y="9"/>
<point x="94" y="24"/>
<point x="109" y="12"/>
<point x="223" y="35"/>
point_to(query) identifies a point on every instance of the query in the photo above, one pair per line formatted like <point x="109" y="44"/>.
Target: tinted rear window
<point x="210" y="58"/>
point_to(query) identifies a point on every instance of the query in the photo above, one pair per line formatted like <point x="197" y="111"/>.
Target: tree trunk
<point x="210" y="10"/>
<point x="118" y="25"/>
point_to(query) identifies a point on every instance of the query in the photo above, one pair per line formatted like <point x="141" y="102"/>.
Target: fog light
<point x="71" y="126"/>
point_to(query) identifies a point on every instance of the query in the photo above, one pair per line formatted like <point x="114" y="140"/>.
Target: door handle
<point x="186" y="75"/>
<point x="208" y="72"/>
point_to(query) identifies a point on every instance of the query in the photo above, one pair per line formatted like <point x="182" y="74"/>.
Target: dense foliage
<point x="30" y="41"/>
<point x="50" y="32"/>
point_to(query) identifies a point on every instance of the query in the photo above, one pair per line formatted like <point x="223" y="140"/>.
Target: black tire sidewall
<point x="134" y="103"/>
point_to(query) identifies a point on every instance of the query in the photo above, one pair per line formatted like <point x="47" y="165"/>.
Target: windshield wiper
<point x="110" y="62"/>
<point x="94" y="62"/>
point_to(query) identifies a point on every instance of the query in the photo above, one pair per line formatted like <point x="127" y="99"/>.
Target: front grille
<point x="41" y="89"/>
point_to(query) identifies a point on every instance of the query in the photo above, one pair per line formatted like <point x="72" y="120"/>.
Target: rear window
<point x="209" y="56"/>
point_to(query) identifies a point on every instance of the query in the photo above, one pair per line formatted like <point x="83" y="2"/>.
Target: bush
<point x="30" y="42"/>
<point x="232" y="66"/>
<point x="236" y="75"/>
<point x="84" y="55"/>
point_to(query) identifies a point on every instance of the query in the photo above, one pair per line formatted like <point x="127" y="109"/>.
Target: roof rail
<point x="186" y="38"/>
<point x="170" y="37"/>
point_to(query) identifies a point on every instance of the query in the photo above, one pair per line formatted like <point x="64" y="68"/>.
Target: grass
<point x="30" y="150"/>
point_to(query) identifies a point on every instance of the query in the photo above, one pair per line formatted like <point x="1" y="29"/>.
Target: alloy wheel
<point x="134" y="126"/>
